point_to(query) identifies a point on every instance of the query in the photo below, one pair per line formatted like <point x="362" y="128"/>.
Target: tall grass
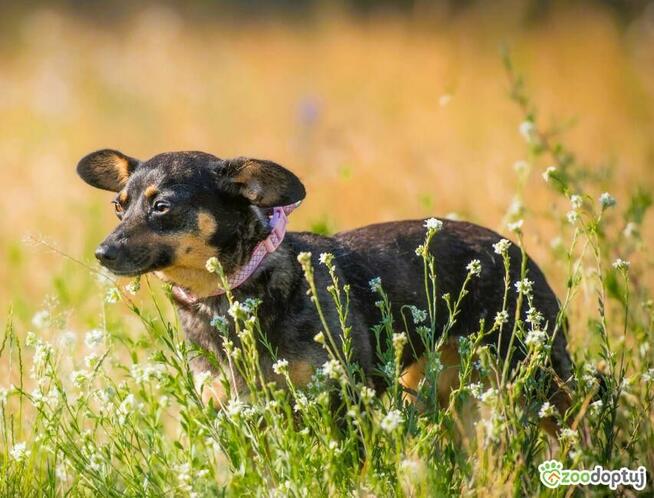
<point x="128" y="418"/>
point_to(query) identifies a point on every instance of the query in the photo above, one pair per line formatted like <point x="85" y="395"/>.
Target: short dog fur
<point x="178" y="209"/>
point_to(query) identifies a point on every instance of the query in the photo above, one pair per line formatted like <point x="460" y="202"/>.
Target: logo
<point x="553" y="475"/>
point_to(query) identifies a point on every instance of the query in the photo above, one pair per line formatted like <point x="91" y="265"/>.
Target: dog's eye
<point x="160" y="207"/>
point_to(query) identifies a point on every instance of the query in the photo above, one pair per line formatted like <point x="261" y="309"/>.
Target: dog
<point x="179" y="209"/>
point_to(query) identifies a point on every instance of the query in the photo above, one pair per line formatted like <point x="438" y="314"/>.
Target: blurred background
<point x="386" y="110"/>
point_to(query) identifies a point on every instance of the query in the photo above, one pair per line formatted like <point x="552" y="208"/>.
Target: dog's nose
<point x="106" y="253"/>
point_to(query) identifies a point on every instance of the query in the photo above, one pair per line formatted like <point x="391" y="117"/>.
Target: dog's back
<point x="388" y="251"/>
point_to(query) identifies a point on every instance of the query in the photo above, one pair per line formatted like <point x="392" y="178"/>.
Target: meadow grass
<point x="127" y="419"/>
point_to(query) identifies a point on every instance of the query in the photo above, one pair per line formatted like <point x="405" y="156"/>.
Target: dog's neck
<point x="204" y="282"/>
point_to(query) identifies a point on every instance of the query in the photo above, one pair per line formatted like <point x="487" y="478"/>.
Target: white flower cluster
<point x="502" y="247"/>
<point x="549" y="173"/>
<point x="147" y="372"/>
<point x="375" y="284"/>
<point x="501" y="318"/>
<point x="516" y="226"/>
<point x="621" y="265"/>
<point x="94" y="338"/>
<point x="326" y="258"/>
<point x="536" y="339"/>
<point x="547" y="410"/>
<point x="433" y="225"/>
<point x="606" y="200"/>
<point x="417" y="314"/>
<point x="474" y="268"/>
<point x="392" y="421"/>
<point x="280" y="367"/>
<point x="399" y="341"/>
<point x="524" y="286"/>
<point x="333" y="369"/>
<point x="212" y="265"/>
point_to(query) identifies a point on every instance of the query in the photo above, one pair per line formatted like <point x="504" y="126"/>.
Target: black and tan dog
<point x="178" y="209"/>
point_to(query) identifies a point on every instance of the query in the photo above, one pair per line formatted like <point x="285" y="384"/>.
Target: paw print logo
<point x="550" y="473"/>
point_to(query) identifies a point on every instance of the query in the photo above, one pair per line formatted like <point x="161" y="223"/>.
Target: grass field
<point x="383" y="119"/>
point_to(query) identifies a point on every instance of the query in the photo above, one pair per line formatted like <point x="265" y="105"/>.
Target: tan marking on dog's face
<point x="206" y="224"/>
<point x="150" y="191"/>
<point x="300" y="372"/>
<point x="191" y="254"/>
<point x="122" y="197"/>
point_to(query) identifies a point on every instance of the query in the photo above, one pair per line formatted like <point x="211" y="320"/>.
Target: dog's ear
<point x="107" y="169"/>
<point x="263" y="183"/>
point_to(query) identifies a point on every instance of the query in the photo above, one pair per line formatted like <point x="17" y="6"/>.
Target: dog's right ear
<point x="107" y="169"/>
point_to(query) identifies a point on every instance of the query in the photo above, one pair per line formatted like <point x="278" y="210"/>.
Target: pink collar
<point x="277" y="224"/>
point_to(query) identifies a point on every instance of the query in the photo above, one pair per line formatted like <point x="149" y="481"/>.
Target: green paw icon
<point x="550" y="473"/>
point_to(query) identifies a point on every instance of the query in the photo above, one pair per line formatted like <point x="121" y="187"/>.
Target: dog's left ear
<point x="264" y="183"/>
<point x="107" y="169"/>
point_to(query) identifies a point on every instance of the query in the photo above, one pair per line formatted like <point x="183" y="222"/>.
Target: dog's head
<point x="178" y="209"/>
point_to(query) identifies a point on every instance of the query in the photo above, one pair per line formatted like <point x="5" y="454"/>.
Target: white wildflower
<point x="41" y="319"/>
<point x="80" y="377"/>
<point x="606" y="200"/>
<point x="489" y="396"/>
<point x="201" y="378"/>
<point x="94" y="338"/>
<point x="219" y="322"/>
<point x="112" y="295"/>
<point x="476" y="389"/>
<point x="19" y="452"/>
<point x="399" y="340"/>
<point x="319" y="338"/>
<point x="596" y="406"/>
<point x="528" y="130"/>
<point x="433" y="224"/>
<point x="501" y="318"/>
<point x="126" y="408"/>
<point x="333" y="369"/>
<point x="474" y="268"/>
<point x="417" y="314"/>
<point x="648" y="376"/>
<point x="536" y="338"/>
<point x="516" y="226"/>
<point x="621" y="265"/>
<point x="549" y="173"/>
<point x="134" y="286"/>
<point x="280" y="367"/>
<point x="534" y="317"/>
<point x="630" y="230"/>
<point x="326" y="258"/>
<point x="502" y="247"/>
<point x="212" y="265"/>
<point x="568" y="435"/>
<point x="391" y="421"/>
<point x="572" y="216"/>
<point x="576" y="201"/>
<point x="524" y="286"/>
<point x="547" y="410"/>
<point x="235" y="407"/>
<point x="67" y="338"/>
<point x="367" y="394"/>
<point x="31" y="339"/>
<point x="304" y="258"/>
<point x="375" y="284"/>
